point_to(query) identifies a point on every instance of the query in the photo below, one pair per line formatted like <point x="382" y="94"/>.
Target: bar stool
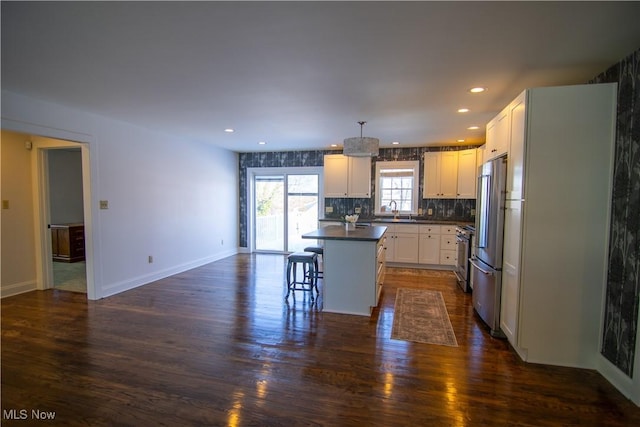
<point x="309" y="260"/>
<point x="318" y="250"/>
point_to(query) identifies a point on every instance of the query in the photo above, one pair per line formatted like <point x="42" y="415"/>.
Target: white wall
<point x="18" y="267"/>
<point x="169" y="197"/>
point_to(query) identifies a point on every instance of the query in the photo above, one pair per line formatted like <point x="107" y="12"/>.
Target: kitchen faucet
<point x="395" y="208"/>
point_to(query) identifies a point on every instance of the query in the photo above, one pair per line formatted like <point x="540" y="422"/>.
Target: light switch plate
<point x="357" y="210"/>
<point x="5" y="204"/>
<point x="429" y="211"/>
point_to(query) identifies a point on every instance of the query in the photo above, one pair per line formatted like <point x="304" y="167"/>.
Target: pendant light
<point x="362" y="146"/>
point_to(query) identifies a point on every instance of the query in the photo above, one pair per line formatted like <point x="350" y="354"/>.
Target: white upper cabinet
<point x="440" y="175"/>
<point x="346" y="176"/>
<point x="359" y="177"/>
<point x="467" y="174"/>
<point x="515" y="165"/>
<point x="480" y="155"/>
<point x="497" y="135"/>
<point x="450" y="174"/>
<point x="336" y="175"/>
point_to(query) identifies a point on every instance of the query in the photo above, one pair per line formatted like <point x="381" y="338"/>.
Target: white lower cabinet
<point x="448" y="245"/>
<point x="381" y="265"/>
<point x="432" y="245"/>
<point x="402" y="243"/>
<point x="429" y="250"/>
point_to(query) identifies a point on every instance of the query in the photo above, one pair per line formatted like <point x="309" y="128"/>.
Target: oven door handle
<point x="488" y="273"/>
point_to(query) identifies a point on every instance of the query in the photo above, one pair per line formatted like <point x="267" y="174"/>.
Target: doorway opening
<point x="66" y="218"/>
<point x="33" y="143"/>
<point x="285" y="205"/>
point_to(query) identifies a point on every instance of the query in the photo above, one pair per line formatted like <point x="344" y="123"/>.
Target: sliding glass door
<point x="286" y="206"/>
<point x="269" y="213"/>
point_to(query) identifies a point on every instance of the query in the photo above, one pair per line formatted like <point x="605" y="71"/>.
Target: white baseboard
<point x="627" y="386"/>
<point x="17" y="288"/>
<point x="116" y="288"/>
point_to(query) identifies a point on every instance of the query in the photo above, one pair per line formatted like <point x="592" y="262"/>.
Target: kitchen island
<point x="353" y="267"/>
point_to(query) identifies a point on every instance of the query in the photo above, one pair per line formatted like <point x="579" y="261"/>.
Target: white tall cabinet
<point x="557" y="221"/>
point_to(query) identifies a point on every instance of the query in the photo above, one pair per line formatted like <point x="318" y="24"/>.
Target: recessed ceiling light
<point x="395" y="143"/>
<point x="262" y="143"/>
<point x="477" y="89"/>
<point x="334" y="145"/>
<point x="473" y="127"/>
<point x="463" y="110"/>
<point x="460" y="140"/>
<point x="229" y="130"/>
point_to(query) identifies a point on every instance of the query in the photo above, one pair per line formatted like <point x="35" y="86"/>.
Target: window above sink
<point x="397" y="188"/>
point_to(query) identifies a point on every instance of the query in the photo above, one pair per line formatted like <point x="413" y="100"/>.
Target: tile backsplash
<point x="443" y="209"/>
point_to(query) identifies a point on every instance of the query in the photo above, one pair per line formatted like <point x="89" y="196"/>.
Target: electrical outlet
<point x="328" y="209"/>
<point x="150" y="259"/>
<point x="104" y="204"/>
<point x="5" y="204"/>
<point x="429" y="211"/>
<point x="357" y="210"/>
<point x="419" y="211"/>
<point x="473" y="212"/>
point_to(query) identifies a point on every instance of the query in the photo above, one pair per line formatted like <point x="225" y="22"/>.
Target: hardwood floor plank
<point x="218" y="345"/>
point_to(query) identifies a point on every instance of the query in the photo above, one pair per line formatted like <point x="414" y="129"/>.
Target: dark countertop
<point x="402" y="221"/>
<point x="338" y="232"/>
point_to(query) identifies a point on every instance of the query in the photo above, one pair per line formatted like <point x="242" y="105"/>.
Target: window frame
<point x="398" y="164"/>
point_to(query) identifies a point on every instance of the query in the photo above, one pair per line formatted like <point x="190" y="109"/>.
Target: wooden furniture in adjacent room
<point x="67" y="242"/>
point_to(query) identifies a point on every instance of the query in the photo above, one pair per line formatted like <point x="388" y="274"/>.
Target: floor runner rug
<point x="421" y="316"/>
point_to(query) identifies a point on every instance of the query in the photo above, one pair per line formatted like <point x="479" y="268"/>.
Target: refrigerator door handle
<point x="488" y="273"/>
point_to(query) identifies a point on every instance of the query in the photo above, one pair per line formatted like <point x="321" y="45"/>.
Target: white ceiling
<point x="299" y="75"/>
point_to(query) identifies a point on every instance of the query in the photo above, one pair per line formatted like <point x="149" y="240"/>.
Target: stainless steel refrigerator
<point x="486" y="265"/>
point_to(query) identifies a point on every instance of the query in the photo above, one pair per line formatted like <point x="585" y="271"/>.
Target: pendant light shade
<point x="361" y="146"/>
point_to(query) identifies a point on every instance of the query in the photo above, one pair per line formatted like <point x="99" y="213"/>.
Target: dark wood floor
<point x="217" y="345"/>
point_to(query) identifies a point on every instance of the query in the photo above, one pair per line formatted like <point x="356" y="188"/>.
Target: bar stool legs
<point x="319" y="251"/>
<point x="309" y="282"/>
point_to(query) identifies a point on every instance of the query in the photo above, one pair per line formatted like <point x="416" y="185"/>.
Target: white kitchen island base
<point x="353" y="264"/>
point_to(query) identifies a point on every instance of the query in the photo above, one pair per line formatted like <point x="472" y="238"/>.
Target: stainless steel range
<point x="464" y="240"/>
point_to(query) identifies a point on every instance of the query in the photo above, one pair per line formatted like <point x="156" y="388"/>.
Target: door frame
<point x="292" y="170"/>
<point x="42" y="207"/>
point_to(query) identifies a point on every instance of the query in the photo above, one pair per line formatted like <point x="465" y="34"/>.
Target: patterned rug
<point x="421" y="316"/>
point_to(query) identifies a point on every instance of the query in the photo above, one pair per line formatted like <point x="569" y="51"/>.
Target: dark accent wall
<point x="454" y="210"/>
<point x="623" y="288"/>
